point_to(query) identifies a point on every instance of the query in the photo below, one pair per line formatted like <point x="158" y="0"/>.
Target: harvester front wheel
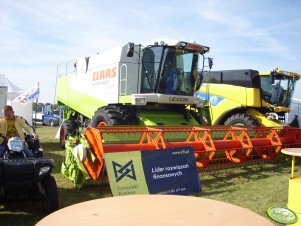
<point x="109" y="115"/>
<point x="129" y="114"/>
<point x="241" y="119"/>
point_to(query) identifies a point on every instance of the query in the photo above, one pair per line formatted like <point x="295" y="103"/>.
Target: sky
<point x="36" y="36"/>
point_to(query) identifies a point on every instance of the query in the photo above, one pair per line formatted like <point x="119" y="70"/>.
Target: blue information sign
<point x="171" y="171"/>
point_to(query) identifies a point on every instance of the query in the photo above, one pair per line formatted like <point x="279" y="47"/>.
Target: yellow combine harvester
<point x="248" y="97"/>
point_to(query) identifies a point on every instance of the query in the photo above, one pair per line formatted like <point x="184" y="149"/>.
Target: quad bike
<point x="27" y="178"/>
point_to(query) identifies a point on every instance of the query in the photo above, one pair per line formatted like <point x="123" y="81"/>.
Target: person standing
<point x="13" y="126"/>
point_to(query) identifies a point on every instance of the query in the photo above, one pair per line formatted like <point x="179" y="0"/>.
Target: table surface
<point x="292" y="151"/>
<point x="154" y="210"/>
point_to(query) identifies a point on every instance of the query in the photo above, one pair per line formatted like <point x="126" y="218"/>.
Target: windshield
<point x="167" y="70"/>
<point x="278" y="92"/>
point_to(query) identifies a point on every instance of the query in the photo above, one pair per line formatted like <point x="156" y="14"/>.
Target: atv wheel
<point x="51" y="201"/>
<point x="113" y="115"/>
<point x="241" y="119"/>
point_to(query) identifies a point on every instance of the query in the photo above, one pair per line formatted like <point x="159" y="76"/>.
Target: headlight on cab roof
<point x="139" y="101"/>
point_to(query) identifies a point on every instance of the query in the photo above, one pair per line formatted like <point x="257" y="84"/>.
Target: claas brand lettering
<point x="104" y="74"/>
<point x="248" y="97"/>
<point x="137" y="84"/>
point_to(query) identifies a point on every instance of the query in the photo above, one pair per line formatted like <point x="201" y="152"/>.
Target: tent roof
<point x="12" y="90"/>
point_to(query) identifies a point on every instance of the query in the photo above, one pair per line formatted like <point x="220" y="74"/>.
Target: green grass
<point x="256" y="187"/>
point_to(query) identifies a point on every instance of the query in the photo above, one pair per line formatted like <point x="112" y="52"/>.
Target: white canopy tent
<point x="13" y="91"/>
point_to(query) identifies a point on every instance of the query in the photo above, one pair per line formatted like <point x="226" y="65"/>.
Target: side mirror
<point x="210" y="62"/>
<point x="130" y="52"/>
<point x="199" y="80"/>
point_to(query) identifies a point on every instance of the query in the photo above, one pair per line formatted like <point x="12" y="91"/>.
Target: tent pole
<point x="35" y="116"/>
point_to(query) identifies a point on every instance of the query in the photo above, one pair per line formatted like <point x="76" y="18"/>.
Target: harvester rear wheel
<point x="69" y="127"/>
<point x="62" y="137"/>
<point x="241" y="119"/>
<point x="113" y="115"/>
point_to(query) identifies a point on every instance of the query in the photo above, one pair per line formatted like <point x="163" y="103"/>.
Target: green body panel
<point x="68" y="113"/>
<point x="72" y="168"/>
<point x="62" y="82"/>
<point x="125" y="99"/>
<point x="155" y="118"/>
<point x="80" y="102"/>
<point x="166" y="118"/>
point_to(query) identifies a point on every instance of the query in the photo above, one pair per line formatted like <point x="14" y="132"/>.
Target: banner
<point x="126" y="175"/>
<point x="29" y="95"/>
<point x="166" y="171"/>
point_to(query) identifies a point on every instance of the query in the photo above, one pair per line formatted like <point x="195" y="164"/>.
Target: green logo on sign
<point x="282" y="215"/>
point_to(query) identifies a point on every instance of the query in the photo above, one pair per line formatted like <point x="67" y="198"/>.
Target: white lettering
<point x="178" y="99"/>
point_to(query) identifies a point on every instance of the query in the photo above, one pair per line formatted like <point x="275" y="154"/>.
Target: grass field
<point x="256" y="187"/>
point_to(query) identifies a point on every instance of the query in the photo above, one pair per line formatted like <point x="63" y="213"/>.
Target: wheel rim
<point x="101" y="124"/>
<point x="238" y="124"/>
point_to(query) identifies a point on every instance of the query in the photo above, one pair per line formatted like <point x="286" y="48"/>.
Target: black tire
<point x="129" y="114"/>
<point x="51" y="201"/>
<point x="69" y="127"/>
<point x="114" y="115"/>
<point x="241" y="119"/>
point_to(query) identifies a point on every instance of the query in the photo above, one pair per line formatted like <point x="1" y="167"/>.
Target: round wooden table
<point x="294" y="185"/>
<point x="154" y="210"/>
<point x="292" y="152"/>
